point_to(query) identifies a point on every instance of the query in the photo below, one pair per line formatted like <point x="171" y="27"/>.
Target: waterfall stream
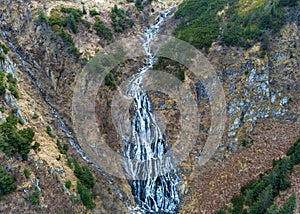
<point x="154" y="192"/>
<point x="19" y="53"/>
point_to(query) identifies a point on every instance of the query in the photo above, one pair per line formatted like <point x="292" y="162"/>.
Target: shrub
<point x="4" y="48"/>
<point x="94" y="13"/>
<point x="101" y="30"/>
<point x="2" y="83"/>
<point x="7" y="183"/>
<point x="85" y="195"/>
<point x="72" y="23"/>
<point x="295" y="158"/>
<point x="2" y="57"/>
<point x="84" y="175"/>
<point x="74" y="12"/>
<point x="289" y="206"/>
<point x="264" y="201"/>
<point x="35" y="116"/>
<point x="139" y="5"/>
<point x="14" y="91"/>
<point x="238" y="204"/>
<point x="68" y="184"/>
<point x="13" y="140"/>
<point x="49" y="131"/>
<point x="41" y="19"/>
<point x="110" y="81"/>
<point x="69" y="43"/>
<point x="62" y="148"/>
<point x="70" y="162"/>
<point x="119" y="20"/>
<point x="35" y="146"/>
<point x="292" y="149"/>
<point x="26" y="173"/>
<point x="170" y="67"/>
<point x="34" y="197"/>
<point x="201" y="23"/>
<point x="11" y="79"/>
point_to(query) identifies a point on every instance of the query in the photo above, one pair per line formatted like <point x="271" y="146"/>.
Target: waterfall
<point x="154" y="192"/>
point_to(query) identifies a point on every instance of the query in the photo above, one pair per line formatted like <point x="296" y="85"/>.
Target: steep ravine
<point x="262" y="98"/>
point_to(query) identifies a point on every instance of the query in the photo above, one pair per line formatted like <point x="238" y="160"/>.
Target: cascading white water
<point x="154" y="192"/>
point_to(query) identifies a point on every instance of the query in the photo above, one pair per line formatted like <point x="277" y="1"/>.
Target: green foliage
<point x="94" y="13"/>
<point x="119" y="20"/>
<point x="292" y="149"/>
<point x="221" y="211"/>
<point x="7" y="183"/>
<point x="35" y="116"/>
<point x="2" y="83"/>
<point x="202" y="23"/>
<point x="26" y="173"/>
<point x="238" y="205"/>
<point x="57" y="19"/>
<point x="4" y="48"/>
<point x="35" y="146"/>
<point x="258" y="195"/>
<point x="73" y="17"/>
<point x="76" y="13"/>
<point x="289" y="3"/>
<point x="139" y="5"/>
<point x="84" y="175"/>
<point x="264" y="201"/>
<point x="110" y="81"/>
<point x="70" y="162"/>
<point x="11" y="79"/>
<point x="72" y="23"/>
<point x="278" y="176"/>
<point x="41" y="19"/>
<point x="69" y="43"/>
<point x="68" y="184"/>
<point x="49" y="131"/>
<point x="34" y="197"/>
<point x="294" y="153"/>
<point x="13" y="140"/>
<point x="256" y="189"/>
<point x="62" y="148"/>
<point x="2" y="57"/>
<point x="101" y="30"/>
<point x="171" y="67"/>
<point x="14" y="91"/>
<point x="85" y="195"/>
<point x="289" y="206"/>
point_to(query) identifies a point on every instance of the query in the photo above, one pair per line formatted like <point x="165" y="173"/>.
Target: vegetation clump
<point x="94" y="13"/>
<point x="120" y="22"/>
<point x="34" y="197"/>
<point x="2" y="83"/>
<point x="13" y="140"/>
<point x="204" y="22"/>
<point x="85" y="182"/>
<point x="257" y="196"/>
<point x="4" y="48"/>
<point x="7" y="183"/>
<point x="101" y="30"/>
<point x="170" y="67"/>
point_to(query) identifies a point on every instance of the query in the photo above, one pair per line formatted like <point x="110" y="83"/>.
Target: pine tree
<point x="289" y="206"/>
<point x="263" y="202"/>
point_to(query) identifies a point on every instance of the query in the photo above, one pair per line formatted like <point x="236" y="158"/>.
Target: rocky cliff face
<point x="262" y="94"/>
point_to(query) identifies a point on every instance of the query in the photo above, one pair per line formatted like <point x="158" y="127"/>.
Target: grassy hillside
<point x="233" y="22"/>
